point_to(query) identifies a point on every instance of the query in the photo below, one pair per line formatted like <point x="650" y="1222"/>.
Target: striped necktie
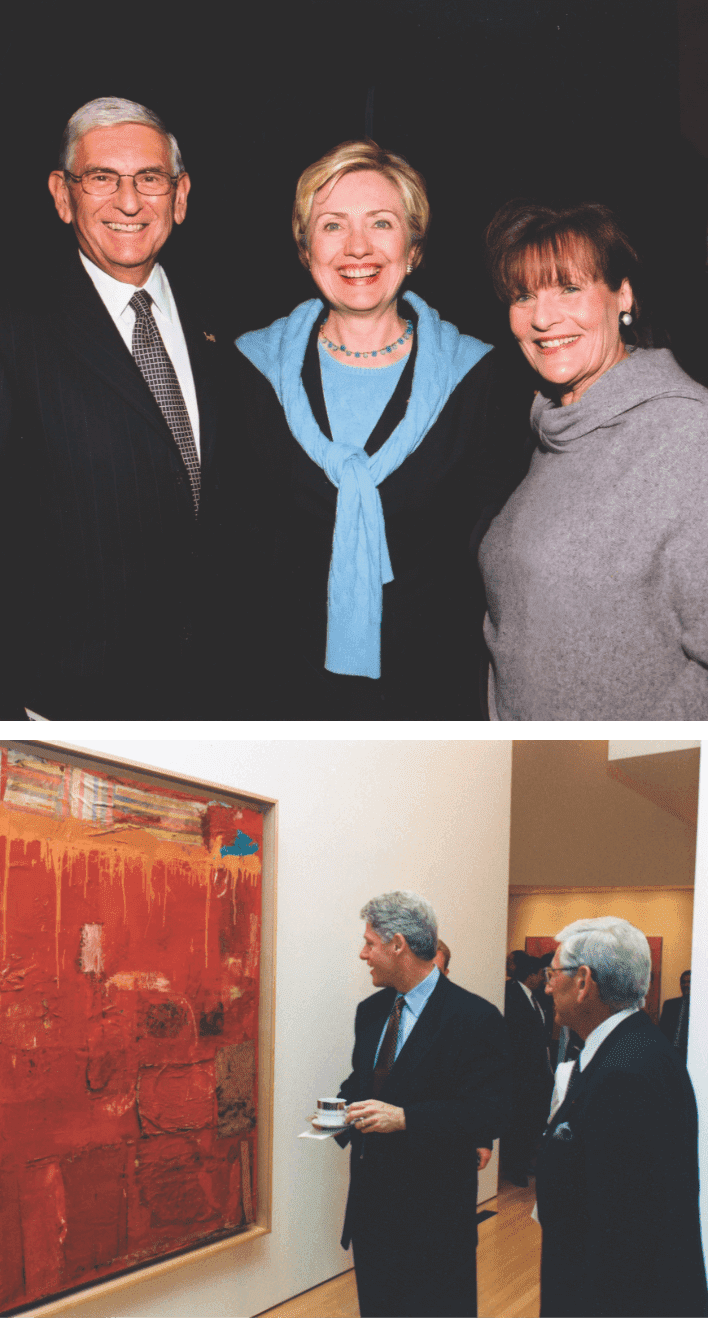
<point x="159" y="374"/>
<point x="387" y="1052"/>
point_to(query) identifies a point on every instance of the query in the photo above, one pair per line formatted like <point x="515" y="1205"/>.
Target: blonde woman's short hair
<point x="351" y="158"/>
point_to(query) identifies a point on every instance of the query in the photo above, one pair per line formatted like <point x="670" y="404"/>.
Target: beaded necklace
<point x="339" y="347"/>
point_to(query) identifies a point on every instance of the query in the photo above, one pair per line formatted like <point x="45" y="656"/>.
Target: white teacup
<point x="331" y="1111"/>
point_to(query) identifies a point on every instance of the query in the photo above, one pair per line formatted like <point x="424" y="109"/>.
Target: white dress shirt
<point x="116" y="296"/>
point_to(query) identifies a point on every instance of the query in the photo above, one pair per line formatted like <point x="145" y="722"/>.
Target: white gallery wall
<point x="356" y="818"/>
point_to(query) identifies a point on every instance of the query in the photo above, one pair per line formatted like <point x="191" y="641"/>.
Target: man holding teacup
<point x="430" y="1073"/>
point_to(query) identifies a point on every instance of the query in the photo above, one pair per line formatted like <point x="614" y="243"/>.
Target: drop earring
<point x="409" y="269"/>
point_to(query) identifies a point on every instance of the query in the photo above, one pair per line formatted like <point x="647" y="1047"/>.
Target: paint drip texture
<point x="130" y="920"/>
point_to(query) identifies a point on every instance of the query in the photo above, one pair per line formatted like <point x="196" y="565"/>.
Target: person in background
<point x="617" y="1172"/>
<point x="532" y="1083"/>
<point x="673" y="1021"/>
<point x="595" y="570"/>
<point x="380" y="440"/>
<point x="427" y="1095"/>
<point x="442" y="957"/>
<point x="541" y="996"/>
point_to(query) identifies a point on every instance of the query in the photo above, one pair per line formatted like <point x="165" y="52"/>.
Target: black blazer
<point x="669" y="1019"/>
<point x="617" y="1184"/>
<point x="437" y="506"/>
<point x="528" y="1036"/>
<point x="451" y="1077"/>
<point x="107" y="569"/>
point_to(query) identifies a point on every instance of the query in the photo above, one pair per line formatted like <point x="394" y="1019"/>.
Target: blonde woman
<point x="377" y="437"/>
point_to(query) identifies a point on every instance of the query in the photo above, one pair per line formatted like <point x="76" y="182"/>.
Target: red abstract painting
<point x="129" y="980"/>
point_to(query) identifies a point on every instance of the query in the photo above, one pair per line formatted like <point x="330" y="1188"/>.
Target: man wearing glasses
<point x="617" y="1174"/>
<point x="112" y="394"/>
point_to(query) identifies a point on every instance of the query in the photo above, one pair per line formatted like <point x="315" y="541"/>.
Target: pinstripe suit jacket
<point x="107" y="572"/>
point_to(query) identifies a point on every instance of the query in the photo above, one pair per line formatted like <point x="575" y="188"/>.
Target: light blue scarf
<point x="360" y="562"/>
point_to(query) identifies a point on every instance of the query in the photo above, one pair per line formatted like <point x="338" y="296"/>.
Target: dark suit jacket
<point x="617" y="1184"/>
<point x="419" y="1186"/>
<point x="528" y="1039"/>
<point x="668" y="1022"/>
<point x="107" y="571"/>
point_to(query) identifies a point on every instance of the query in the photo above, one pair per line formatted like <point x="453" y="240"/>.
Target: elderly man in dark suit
<point x="113" y="401"/>
<point x="532" y="1084"/>
<point x="617" y="1176"/>
<point x="427" y="1095"/>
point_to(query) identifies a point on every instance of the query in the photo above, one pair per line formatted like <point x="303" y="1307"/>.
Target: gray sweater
<point x="596" y="570"/>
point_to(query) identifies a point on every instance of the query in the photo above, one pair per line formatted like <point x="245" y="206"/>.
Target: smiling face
<point x="359" y="244"/>
<point x="124" y="232"/>
<point x="569" y="331"/>
<point x="381" y="958"/>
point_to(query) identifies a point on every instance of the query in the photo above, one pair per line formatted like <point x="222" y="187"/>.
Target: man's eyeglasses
<point x="551" y="971"/>
<point x="102" y="182"/>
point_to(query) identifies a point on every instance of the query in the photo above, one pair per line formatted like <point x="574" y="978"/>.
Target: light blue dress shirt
<point x="414" y="1002"/>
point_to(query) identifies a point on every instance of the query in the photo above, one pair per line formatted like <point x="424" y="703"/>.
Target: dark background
<point x="488" y="98"/>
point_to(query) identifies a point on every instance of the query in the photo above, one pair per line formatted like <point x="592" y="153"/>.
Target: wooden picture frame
<point x="135" y="1098"/>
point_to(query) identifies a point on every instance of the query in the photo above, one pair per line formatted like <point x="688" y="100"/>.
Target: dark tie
<point x="387" y="1051"/>
<point x="159" y="374"/>
<point x="681" y="1035"/>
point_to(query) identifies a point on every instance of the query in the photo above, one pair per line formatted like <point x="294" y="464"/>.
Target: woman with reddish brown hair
<point x="596" y="569"/>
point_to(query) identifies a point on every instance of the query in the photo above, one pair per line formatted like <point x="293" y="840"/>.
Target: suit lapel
<point x="89" y="333"/>
<point x="371" y="1032"/>
<point x="627" y="1026"/>
<point x="200" y="337"/>
<point x="422" y="1036"/>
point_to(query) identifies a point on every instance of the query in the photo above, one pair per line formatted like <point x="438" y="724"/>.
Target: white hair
<point x="106" y="112"/>
<point x="616" y="952"/>
<point x="404" y="913"/>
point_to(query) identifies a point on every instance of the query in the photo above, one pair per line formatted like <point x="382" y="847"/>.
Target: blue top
<point x="360" y="565"/>
<point x="413" y="1003"/>
<point x="356" y="396"/>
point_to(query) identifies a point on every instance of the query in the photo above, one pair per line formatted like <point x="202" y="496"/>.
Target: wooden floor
<point x="508" y="1260"/>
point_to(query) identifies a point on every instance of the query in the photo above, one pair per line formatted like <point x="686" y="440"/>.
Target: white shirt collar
<point x="600" y="1033"/>
<point x="117" y="295"/>
<point x="526" y="989"/>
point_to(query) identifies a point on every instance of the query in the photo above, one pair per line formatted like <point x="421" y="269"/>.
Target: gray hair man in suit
<point x="113" y="392"/>
<point x="428" y="1094"/>
<point x="617" y="1175"/>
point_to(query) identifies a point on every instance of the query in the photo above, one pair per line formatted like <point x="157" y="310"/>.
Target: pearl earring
<point x="626" y="317"/>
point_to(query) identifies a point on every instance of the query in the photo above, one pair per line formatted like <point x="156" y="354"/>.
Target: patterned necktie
<point x="387" y="1052"/>
<point x="159" y="374"/>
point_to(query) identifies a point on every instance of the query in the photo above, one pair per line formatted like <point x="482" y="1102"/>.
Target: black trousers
<point x="391" y="1284"/>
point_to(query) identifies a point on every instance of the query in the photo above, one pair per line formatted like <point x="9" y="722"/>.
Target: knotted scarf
<point x="360" y="564"/>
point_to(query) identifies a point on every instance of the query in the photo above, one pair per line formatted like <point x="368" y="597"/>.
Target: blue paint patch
<point x="242" y="845"/>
